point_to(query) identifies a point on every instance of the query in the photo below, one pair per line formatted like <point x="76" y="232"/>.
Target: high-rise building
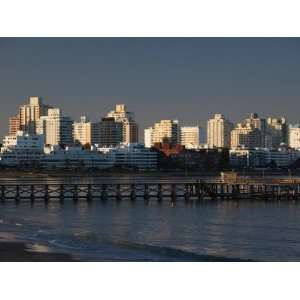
<point x="165" y="131"/>
<point x="245" y="136"/>
<point x="294" y="136"/>
<point x="56" y="128"/>
<point x="30" y="114"/>
<point x="218" y="132"/>
<point x="14" y="125"/>
<point x="129" y="125"/>
<point x="108" y="132"/>
<point x="190" y="136"/>
<point x="82" y="131"/>
<point x="148" y="132"/>
<point x="259" y="123"/>
<point x="277" y="132"/>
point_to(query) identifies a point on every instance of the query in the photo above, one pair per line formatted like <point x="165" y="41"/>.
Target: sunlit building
<point x="148" y="132"/>
<point x="245" y="136"/>
<point x="165" y="131"/>
<point x="56" y="128"/>
<point x="218" y="132"/>
<point x="14" y="125"/>
<point x="21" y="149"/>
<point x="129" y="125"/>
<point x="30" y="114"/>
<point x="190" y="136"/>
<point x="82" y="131"/>
<point x="294" y="136"/>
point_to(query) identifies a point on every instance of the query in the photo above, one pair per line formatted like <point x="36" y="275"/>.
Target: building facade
<point x="56" y="128"/>
<point x="129" y="125"/>
<point x="82" y="132"/>
<point x="260" y="124"/>
<point x="21" y="149"/>
<point x="294" y="136"/>
<point x="166" y="131"/>
<point x="277" y="132"/>
<point x="148" y="132"/>
<point x="190" y="136"/>
<point x="218" y="132"/>
<point x="14" y="125"/>
<point x="132" y="156"/>
<point x="108" y="132"/>
<point x="263" y="157"/>
<point x="30" y="114"/>
<point x="245" y="136"/>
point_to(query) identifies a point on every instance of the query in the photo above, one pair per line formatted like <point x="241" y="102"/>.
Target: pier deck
<point x="189" y="191"/>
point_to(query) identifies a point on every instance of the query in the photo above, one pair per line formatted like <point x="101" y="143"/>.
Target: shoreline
<point x="15" y="251"/>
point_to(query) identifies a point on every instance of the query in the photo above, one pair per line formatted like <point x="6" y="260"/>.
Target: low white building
<point x="74" y="158"/>
<point x="22" y="149"/>
<point x="132" y="156"/>
<point x="262" y="157"/>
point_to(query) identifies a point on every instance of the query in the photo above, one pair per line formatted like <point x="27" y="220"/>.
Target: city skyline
<point x="192" y="78"/>
<point x="33" y="116"/>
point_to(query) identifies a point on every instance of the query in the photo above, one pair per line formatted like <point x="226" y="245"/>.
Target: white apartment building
<point x="245" y="136"/>
<point x="130" y="127"/>
<point x="21" y="149"/>
<point x="263" y="157"/>
<point x="74" y="158"/>
<point x="82" y="131"/>
<point x="294" y="136"/>
<point x="29" y="114"/>
<point x="276" y="133"/>
<point x="165" y="131"/>
<point x="191" y="136"/>
<point x="218" y="132"/>
<point x="55" y="128"/>
<point x="132" y="156"/>
<point x="148" y="132"/>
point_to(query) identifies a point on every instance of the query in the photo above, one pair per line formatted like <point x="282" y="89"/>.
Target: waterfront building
<point x="282" y="157"/>
<point x="191" y="136"/>
<point x="74" y="158"/>
<point x="245" y="136"/>
<point x="148" y="132"/>
<point x="294" y="136"/>
<point x="108" y="132"/>
<point x="165" y="131"/>
<point x="21" y="149"/>
<point x="218" y="132"/>
<point x="132" y="156"/>
<point x="30" y="114"/>
<point x="82" y="131"/>
<point x="14" y="125"/>
<point x="258" y="123"/>
<point x="277" y="132"/>
<point x="129" y="125"/>
<point x="56" y="128"/>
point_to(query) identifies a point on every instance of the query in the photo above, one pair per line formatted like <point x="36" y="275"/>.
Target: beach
<point x="12" y="250"/>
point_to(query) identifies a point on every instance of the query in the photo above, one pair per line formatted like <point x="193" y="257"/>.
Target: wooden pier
<point x="172" y="191"/>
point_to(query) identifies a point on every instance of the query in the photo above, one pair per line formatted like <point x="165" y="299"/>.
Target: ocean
<point x="111" y="230"/>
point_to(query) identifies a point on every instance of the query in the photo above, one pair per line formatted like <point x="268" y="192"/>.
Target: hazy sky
<point x="157" y="78"/>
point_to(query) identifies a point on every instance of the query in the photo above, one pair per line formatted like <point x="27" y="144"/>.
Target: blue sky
<point x="185" y="78"/>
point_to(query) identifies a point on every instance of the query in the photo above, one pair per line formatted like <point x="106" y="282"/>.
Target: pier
<point x="172" y="191"/>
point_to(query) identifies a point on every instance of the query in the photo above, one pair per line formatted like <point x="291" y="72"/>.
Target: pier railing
<point x="189" y="191"/>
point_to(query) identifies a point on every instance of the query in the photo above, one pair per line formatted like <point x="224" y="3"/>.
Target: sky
<point x="188" y="79"/>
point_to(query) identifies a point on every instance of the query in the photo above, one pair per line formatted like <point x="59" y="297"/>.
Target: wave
<point x="117" y="250"/>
